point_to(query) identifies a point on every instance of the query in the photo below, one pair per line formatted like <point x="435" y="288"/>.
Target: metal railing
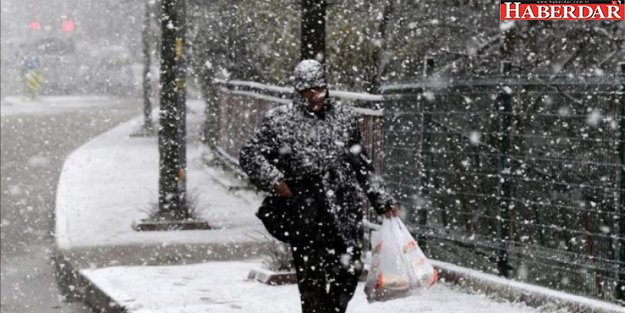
<point x="243" y="104"/>
<point x="515" y="175"/>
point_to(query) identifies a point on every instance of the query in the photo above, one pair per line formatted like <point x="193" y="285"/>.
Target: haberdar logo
<point x="566" y="10"/>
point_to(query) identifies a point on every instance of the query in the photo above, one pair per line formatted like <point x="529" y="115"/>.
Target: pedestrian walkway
<point x="222" y="287"/>
<point x="112" y="181"/>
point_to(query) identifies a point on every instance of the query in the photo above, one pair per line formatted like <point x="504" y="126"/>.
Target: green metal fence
<point x="516" y="175"/>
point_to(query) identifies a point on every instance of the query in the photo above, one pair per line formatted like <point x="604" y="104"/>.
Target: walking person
<point x="309" y="155"/>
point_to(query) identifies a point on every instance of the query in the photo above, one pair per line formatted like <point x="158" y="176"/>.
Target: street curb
<point x="77" y="287"/>
<point x="154" y="254"/>
<point x="515" y="291"/>
<point x="97" y="299"/>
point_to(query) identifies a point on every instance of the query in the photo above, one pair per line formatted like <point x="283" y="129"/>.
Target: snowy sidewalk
<point x="222" y="287"/>
<point x="112" y="181"/>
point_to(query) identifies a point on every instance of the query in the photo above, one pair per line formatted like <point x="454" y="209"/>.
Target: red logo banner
<point x="565" y="10"/>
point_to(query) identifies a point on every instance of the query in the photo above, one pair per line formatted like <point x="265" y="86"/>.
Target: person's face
<point x="316" y="98"/>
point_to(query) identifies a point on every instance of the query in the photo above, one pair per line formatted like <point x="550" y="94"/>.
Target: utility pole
<point x="313" y="30"/>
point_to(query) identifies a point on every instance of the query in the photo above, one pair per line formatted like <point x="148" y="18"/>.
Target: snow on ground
<point x="503" y="283"/>
<point x="14" y="105"/>
<point x="125" y="169"/>
<point x="223" y="287"/>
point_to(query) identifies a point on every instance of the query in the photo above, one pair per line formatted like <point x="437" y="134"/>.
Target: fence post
<point x="505" y="115"/>
<point x="620" y="286"/>
<point x="426" y="132"/>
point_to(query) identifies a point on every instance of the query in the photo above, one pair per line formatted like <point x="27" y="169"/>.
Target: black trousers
<point x="326" y="278"/>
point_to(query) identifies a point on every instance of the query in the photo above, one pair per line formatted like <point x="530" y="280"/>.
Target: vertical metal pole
<point x="425" y="153"/>
<point x="503" y="227"/>
<point x="313" y="30"/>
<point x="620" y="286"/>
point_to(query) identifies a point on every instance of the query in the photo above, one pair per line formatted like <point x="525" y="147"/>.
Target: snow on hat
<point x="309" y="74"/>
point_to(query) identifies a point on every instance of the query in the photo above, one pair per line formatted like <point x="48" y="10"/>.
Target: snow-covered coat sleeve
<point x="256" y="154"/>
<point x="372" y="184"/>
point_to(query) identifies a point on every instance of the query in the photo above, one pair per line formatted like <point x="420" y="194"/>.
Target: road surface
<point x="36" y="137"/>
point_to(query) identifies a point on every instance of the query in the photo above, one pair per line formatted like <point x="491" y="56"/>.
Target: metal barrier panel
<point x="513" y="176"/>
<point x="239" y="116"/>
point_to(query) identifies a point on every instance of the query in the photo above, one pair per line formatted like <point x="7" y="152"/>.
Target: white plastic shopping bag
<point x="398" y="266"/>
<point x="422" y="273"/>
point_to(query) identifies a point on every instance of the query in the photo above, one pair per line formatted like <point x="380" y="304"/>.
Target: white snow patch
<point x="15" y="190"/>
<point x="555" y="296"/>
<point x="506" y="25"/>
<point x="429" y="96"/>
<point x="474" y="137"/>
<point x="598" y="71"/>
<point x="613" y="125"/>
<point x="355" y="149"/>
<point x="594" y="117"/>
<point x="223" y="287"/>
<point x="564" y="111"/>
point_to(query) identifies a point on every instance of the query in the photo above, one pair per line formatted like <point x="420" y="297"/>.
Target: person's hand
<point x="282" y="189"/>
<point x="392" y="211"/>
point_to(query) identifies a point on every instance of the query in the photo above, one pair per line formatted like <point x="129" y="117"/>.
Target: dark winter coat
<point x="322" y="160"/>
